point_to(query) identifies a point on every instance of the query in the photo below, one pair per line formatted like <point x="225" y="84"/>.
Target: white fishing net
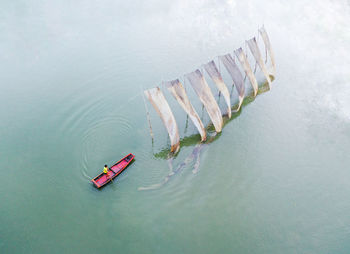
<point x="215" y="75"/>
<point x="247" y="69"/>
<point x="158" y="101"/>
<point x="178" y="91"/>
<point x="253" y="46"/>
<point x="204" y="93"/>
<point x="236" y="76"/>
<point x="267" y="43"/>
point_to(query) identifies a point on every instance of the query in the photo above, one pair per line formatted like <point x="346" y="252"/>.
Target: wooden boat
<point x="102" y="179"/>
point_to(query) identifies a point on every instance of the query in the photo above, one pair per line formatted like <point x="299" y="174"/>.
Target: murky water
<point x="275" y="181"/>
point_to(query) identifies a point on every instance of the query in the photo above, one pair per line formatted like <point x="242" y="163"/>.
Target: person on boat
<point x="105" y="171"/>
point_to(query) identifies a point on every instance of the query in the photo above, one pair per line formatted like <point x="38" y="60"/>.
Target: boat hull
<point x="102" y="179"/>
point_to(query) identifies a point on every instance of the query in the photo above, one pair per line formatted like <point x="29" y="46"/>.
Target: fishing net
<point x="202" y="89"/>
<point x="267" y="43"/>
<point x="253" y="46"/>
<point x="215" y="75"/>
<point x="178" y="91"/>
<point x="158" y="101"/>
<point x="236" y="76"/>
<point x="248" y="71"/>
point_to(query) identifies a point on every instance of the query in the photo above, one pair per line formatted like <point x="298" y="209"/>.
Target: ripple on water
<point x="98" y="139"/>
<point x="90" y="117"/>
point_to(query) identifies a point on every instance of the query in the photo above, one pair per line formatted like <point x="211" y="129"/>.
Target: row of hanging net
<point x="202" y="90"/>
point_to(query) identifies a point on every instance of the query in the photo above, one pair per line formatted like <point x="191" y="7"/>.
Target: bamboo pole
<point x="148" y="116"/>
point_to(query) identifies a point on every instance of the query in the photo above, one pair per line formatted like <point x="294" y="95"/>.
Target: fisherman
<point x="105" y="171"/>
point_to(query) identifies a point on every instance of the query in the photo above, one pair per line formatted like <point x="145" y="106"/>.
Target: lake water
<point x="277" y="180"/>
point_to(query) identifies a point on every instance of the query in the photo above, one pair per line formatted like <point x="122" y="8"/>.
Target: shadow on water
<point x="194" y="140"/>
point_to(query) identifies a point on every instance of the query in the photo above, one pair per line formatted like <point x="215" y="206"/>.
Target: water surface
<point x="275" y="181"/>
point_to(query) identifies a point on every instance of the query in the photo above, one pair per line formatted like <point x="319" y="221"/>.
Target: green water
<point x="276" y="180"/>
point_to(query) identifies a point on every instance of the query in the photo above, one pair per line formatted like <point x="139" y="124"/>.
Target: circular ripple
<point x="99" y="139"/>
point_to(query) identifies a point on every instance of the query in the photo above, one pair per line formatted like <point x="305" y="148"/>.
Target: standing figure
<point x="105" y="171"/>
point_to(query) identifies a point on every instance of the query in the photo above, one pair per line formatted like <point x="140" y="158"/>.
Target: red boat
<point x="102" y="179"/>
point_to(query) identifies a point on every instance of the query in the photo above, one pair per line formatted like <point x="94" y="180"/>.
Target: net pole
<point x="148" y="116"/>
<point x="186" y="125"/>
